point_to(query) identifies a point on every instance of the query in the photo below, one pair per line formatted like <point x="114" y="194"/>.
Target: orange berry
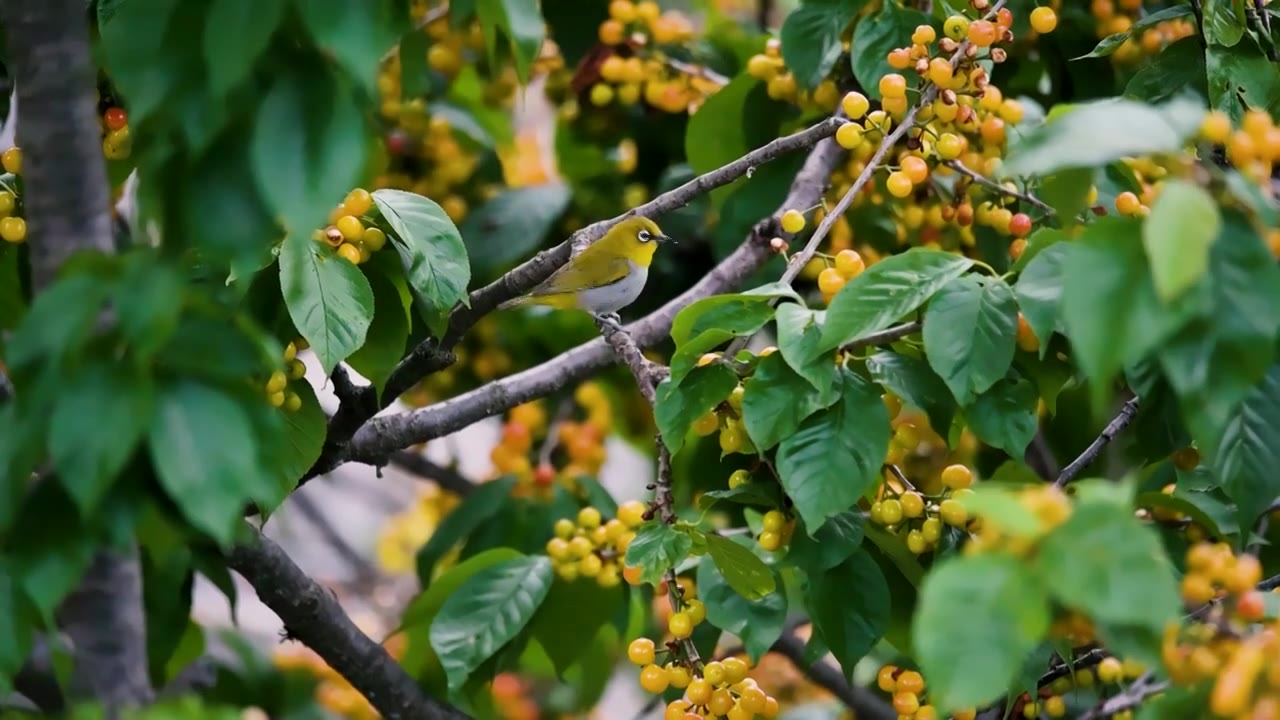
<point x="983" y="33"/>
<point x="830" y="280"/>
<point x="1127" y="203"/>
<point x="1027" y="339"/>
<point x="1044" y="20"/>
<point x="886" y="679"/>
<point x="915" y="168"/>
<point x="849" y="264"/>
<point x="611" y="32"/>
<point x="899" y="184"/>
<point x="893" y="85"/>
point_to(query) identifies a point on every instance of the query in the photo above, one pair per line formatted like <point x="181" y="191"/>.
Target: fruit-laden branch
<point x="1118" y="423"/>
<point x="433" y="354"/>
<point x="990" y="184"/>
<point x="67" y="209"/>
<point x="861" y="701"/>
<point x="1133" y="696"/>
<point x="313" y="616"/>
<point x="382" y="436"/>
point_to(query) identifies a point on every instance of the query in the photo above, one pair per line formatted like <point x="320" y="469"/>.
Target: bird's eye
<point x="644" y="236"/>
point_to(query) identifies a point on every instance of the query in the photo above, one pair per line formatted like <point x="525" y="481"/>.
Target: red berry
<point x="115" y="118"/>
<point x="1020" y="225"/>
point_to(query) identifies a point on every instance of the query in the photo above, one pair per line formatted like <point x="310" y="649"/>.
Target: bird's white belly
<point x="613" y="297"/>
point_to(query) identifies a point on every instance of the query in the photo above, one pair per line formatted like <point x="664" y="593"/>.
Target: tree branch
<point x="313" y="616"/>
<point x="67" y="208"/>
<point x="990" y="184"/>
<point x="446" y="478"/>
<point x="1118" y="423"/>
<point x="1131" y="697"/>
<point x="861" y="701"/>
<point x="433" y="355"/>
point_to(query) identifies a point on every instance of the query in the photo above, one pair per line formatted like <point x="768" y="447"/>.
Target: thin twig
<point x="365" y="572"/>
<point x="418" y="465"/>
<point x="883" y="337"/>
<point x="701" y="71"/>
<point x="990" y="184"/>
<point x="902" y="478"/>
<point x="552" y="439"/>
<point x="1270" y="583"/>
<point x="1131" y="697"/>
<point x="1118" y="423"/>
<point x="1040" y="457"/>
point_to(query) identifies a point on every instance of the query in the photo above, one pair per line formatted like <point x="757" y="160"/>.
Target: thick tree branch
<point x="1118" y="423"/>
<point x="864" y="704"/>
<point x="313" y="616"/>
<point x="433" y="355"/>
<point x="67" y="208"/>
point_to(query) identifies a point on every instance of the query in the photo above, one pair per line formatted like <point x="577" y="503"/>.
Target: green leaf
<point x="717" y="133"/>
<point x="1222" y="26"/>
<point x="512" y="225"/>
<point x="1179" y="65"/>
<point x="887" y="291"/>
<point x="873" y="38"/>
<point x="1239" y="78"/>
<point x="656" y="548"/>
<point x="478" y="508"/>
<point x="1095" y="133"/>
<point x="329" y="299"/>
<point x="1183" y="224"/>
<point x="978" y="617"/>
<point x="850" y="621"/>
<point x="742" y="569"/>
<point x="205" y="455"/>
<point x="757" y="493"/>
<point x="521" y="23"/>
<point x="388" y="333"/>
<point x="731" y="314"/>
<point x="1110" y="43"/>
<point x="434" y="257"/>
<point x="777" y="400"/>
<point x="1177" y="703"/>
<point x="837" y="539"/>
<point x="1039" y="292"/>
<point x="356" y="34"/>
<point x="1110" y="309"/>
<point x="148" y="302"/>
<point x="13" y="306"/>
<point x="236" y="33"/>
<point x="305" y="430"/>
<point x="811" y="37"/>
<point x="834" y="456"/>
<point x="1000" y="506"/>
<point x="1067" y="192"/>
<point x="19" y="624"/>
<point x="969" y="333"/>
<point x="222" y="185"/>
<point x="1005" y="416"/>
<point x="1104" y="562"/>
<point x="486" y="612"/>
<point x="305" y="161"/>
<point x="800" y="342"/>
<point x="139" y="32"/>
<point x="759" y="623"/>
<point x="569" y="617"/>
<point x="915" y="382"/>
<point x="678" y="406"/>
<point x="57" y="324"/>
<point x="100" y="417"/>
<point x="1250" y="450"/>
<point x="56" y="548"/>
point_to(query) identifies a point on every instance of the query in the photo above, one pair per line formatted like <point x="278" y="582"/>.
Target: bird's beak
<point x="666" y="239"/>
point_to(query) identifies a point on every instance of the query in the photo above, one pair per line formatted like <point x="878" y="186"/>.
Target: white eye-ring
<point x="644" y="236"/>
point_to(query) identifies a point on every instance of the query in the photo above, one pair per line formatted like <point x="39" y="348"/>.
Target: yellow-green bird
<point x="605" y="277"/>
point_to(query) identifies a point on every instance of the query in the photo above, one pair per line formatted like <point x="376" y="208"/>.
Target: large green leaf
<point x="1005" y="416"/>
<point x="837" y="539"/>
<point x="745" y="572"/>
<point x="849" y="606"/>
<point x="657" y="548"/>
<point x="1110" y="309"/>
<point x="356" y="34"/>
<point x="1183" y="224"/>
<point x="757" y="622"/>
<point x="205" y="455"/>
<point x="1095" y="133"/>
<point x="306" y="161"/>
<point x="1104" y="562"/>
<point x="800" y="343"/>
<point x="777" y="400"/>
<point x="19" y="624"/>
<point x="486" y="612"/>
<point x="977" y="618"/>
<point x="305" y="432"/>
<point x="1249" y="454"/>
<point x="717" y="134"/>
<point x="873" y="38"/>
<point x="1179" y="66"/>
<point x="221" y="184"/>
<point x="512" y="225"/>
<point x="572" y="614"/>
<point x="914" y="381"/>
<point x="887" y="291"/>
<point x="521" y="23"/>
<point x="329" y="299"/>
<point x="99" y="419"/>
<point x="831" y="460"/>
<point x="811" y="37"/>
<point x="1039" y="292"/>
<point x="479" y="507"/>
<point x="1222" y="25"/>
<point x="1241" y="78"/>
<point x="969" y="334"/>
<point x="388" y="333"/>
<point x="709" y="322"/>
<point x="678" y="405"/>
<point x="434" y="257"/>
<point x="236" y="33"/>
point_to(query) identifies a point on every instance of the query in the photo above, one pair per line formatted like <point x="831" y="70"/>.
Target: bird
<point x="605" y="277"/>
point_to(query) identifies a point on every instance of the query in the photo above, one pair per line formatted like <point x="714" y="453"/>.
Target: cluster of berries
<point x="592" y="547"/>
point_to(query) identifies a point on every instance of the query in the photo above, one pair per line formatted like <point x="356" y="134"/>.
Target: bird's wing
<point x="578" y="276"/>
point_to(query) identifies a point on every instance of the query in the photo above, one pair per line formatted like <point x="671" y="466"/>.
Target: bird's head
<point x="636" y="238"/>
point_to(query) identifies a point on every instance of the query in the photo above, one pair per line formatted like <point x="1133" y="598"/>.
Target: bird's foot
<point x="610" y="321"/>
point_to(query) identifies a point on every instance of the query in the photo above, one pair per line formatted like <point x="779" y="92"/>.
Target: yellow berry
<point x="680" y="625"/>
<point x="654" y="679"/>
<point x="564" y="528"/>
<point x="830" y="281"/>
<point x="849" y="136"/>
<point x="849" y="264"/>
<point x="641" y="651"/>
<point x="1044" y="20"/>
<point x="793" y="221"/>
<point x="735" y="670"/>
<point x="770" y="540"/>
<point x="855" y="105"/>
<point x="957" y="476"/>
<point x="589" y="518"/>
<point x="1110" y="670"/>
<point x="12" y="160"/>
<point x="707" y="424"/>
<point x="898" y="184"/>
<point x="912" y="504"/>
<point x="358" y="202"/>
<point x="13" y="229"/>
<point x="631" y="513"/>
